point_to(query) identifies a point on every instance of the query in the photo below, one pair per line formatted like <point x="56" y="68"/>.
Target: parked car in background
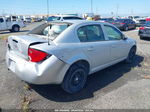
<point x="135" y="18"/>
<point x="144" y="30"/>
<point x="66" y="52"/>
<point x="141" y="22"/>
<point x="11" y="24"/>
<point x="38" y="19"/>
<point x="63" y="17"/>
<point x="125" y="24"/>
<point x="109" y="20"/>
<point x="28" y="20"/>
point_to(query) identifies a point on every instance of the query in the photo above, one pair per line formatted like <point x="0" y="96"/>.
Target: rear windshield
<point x="53" y="18"/>
<point x="51" y="30"/>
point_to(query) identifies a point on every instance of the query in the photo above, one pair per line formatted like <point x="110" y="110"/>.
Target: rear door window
<point x="90" y="33"/>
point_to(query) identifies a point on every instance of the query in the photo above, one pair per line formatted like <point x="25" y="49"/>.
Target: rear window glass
<point x="54" y="30"/>
<point x="53" y="18"/>
<point x="51" y="30"/>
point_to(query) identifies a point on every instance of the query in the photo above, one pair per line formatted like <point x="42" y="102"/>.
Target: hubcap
<point x="77" y="77"/>
<point x="16" y="28"/>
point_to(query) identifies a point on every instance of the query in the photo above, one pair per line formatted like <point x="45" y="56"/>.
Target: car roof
<point x="78" y="22"/>
<point x="64" y="16"/>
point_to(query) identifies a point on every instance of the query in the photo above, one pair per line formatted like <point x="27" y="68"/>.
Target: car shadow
<point x="94" y="83"/>
<point x="146" y="39"/>
<point x="8" y="32"/>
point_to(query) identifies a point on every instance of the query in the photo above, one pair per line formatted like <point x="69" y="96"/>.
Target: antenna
<point x="49" y="35"/>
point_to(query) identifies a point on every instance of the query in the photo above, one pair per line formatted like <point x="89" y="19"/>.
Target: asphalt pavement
<point x="122" y="86"/>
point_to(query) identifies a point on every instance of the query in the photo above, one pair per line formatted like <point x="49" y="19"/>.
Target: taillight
<point x="122" y="23"/>
<point x="142" y="28"/>
<point x="36" y="55"/>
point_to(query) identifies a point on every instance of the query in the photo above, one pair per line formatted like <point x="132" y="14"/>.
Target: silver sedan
<point x="67" y="52"/>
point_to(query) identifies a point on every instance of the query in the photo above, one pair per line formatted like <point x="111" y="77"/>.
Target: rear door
<point x="119" y="47"/>
<point x="130" y="25"/>
<point x="94" y="45"/>
<point x="133" y="24"/>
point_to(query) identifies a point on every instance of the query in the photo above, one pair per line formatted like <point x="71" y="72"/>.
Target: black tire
<point x="141" y="37"/>
<point x="10" y="30"/>
<point x="134" y="27"/>
<point x="75" y="78"/>
<point x="131" y="55"/>
<point x="15" y="28"/>
<point x="126" y="28"/>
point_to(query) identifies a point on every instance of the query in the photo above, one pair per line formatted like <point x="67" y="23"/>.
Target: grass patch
<point x="4" y="36"/>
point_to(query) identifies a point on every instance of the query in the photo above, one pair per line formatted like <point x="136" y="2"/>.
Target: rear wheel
<point x="15" y="28"/>
<point x="134" y="27"/>
<point x="126" y="28"/>
<point x="75" y="78"/>
<point x="141" y="37"/>
<point x="131" y="55"/>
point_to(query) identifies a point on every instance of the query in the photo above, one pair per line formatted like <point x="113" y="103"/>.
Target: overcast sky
<point x="75" y="6"/>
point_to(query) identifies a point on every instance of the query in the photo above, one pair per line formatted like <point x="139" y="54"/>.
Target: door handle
<point x="90" y="49"/>
<point x="113" y="46"/>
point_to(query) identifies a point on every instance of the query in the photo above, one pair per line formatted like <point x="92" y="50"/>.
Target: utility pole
<point x="132" y="12"/>
<point x="91" y="6"/>
<point x="47" y="8"/>
<point x="117" y="8"/>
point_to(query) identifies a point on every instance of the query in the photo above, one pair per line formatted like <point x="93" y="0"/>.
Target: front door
<point x="118" y="46"/>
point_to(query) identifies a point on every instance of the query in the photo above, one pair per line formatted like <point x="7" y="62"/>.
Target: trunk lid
<point x="20" y="44"/>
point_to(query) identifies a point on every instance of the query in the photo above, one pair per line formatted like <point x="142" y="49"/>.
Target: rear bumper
<point x="50" y="71"/>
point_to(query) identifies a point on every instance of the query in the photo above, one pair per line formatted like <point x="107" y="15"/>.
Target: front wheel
<point x="131" y="55"/>
<point x="75" y="78"/>
<point x="141" y="37"/>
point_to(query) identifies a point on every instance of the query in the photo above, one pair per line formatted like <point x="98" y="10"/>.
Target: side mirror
<point x="124" y="37"/>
